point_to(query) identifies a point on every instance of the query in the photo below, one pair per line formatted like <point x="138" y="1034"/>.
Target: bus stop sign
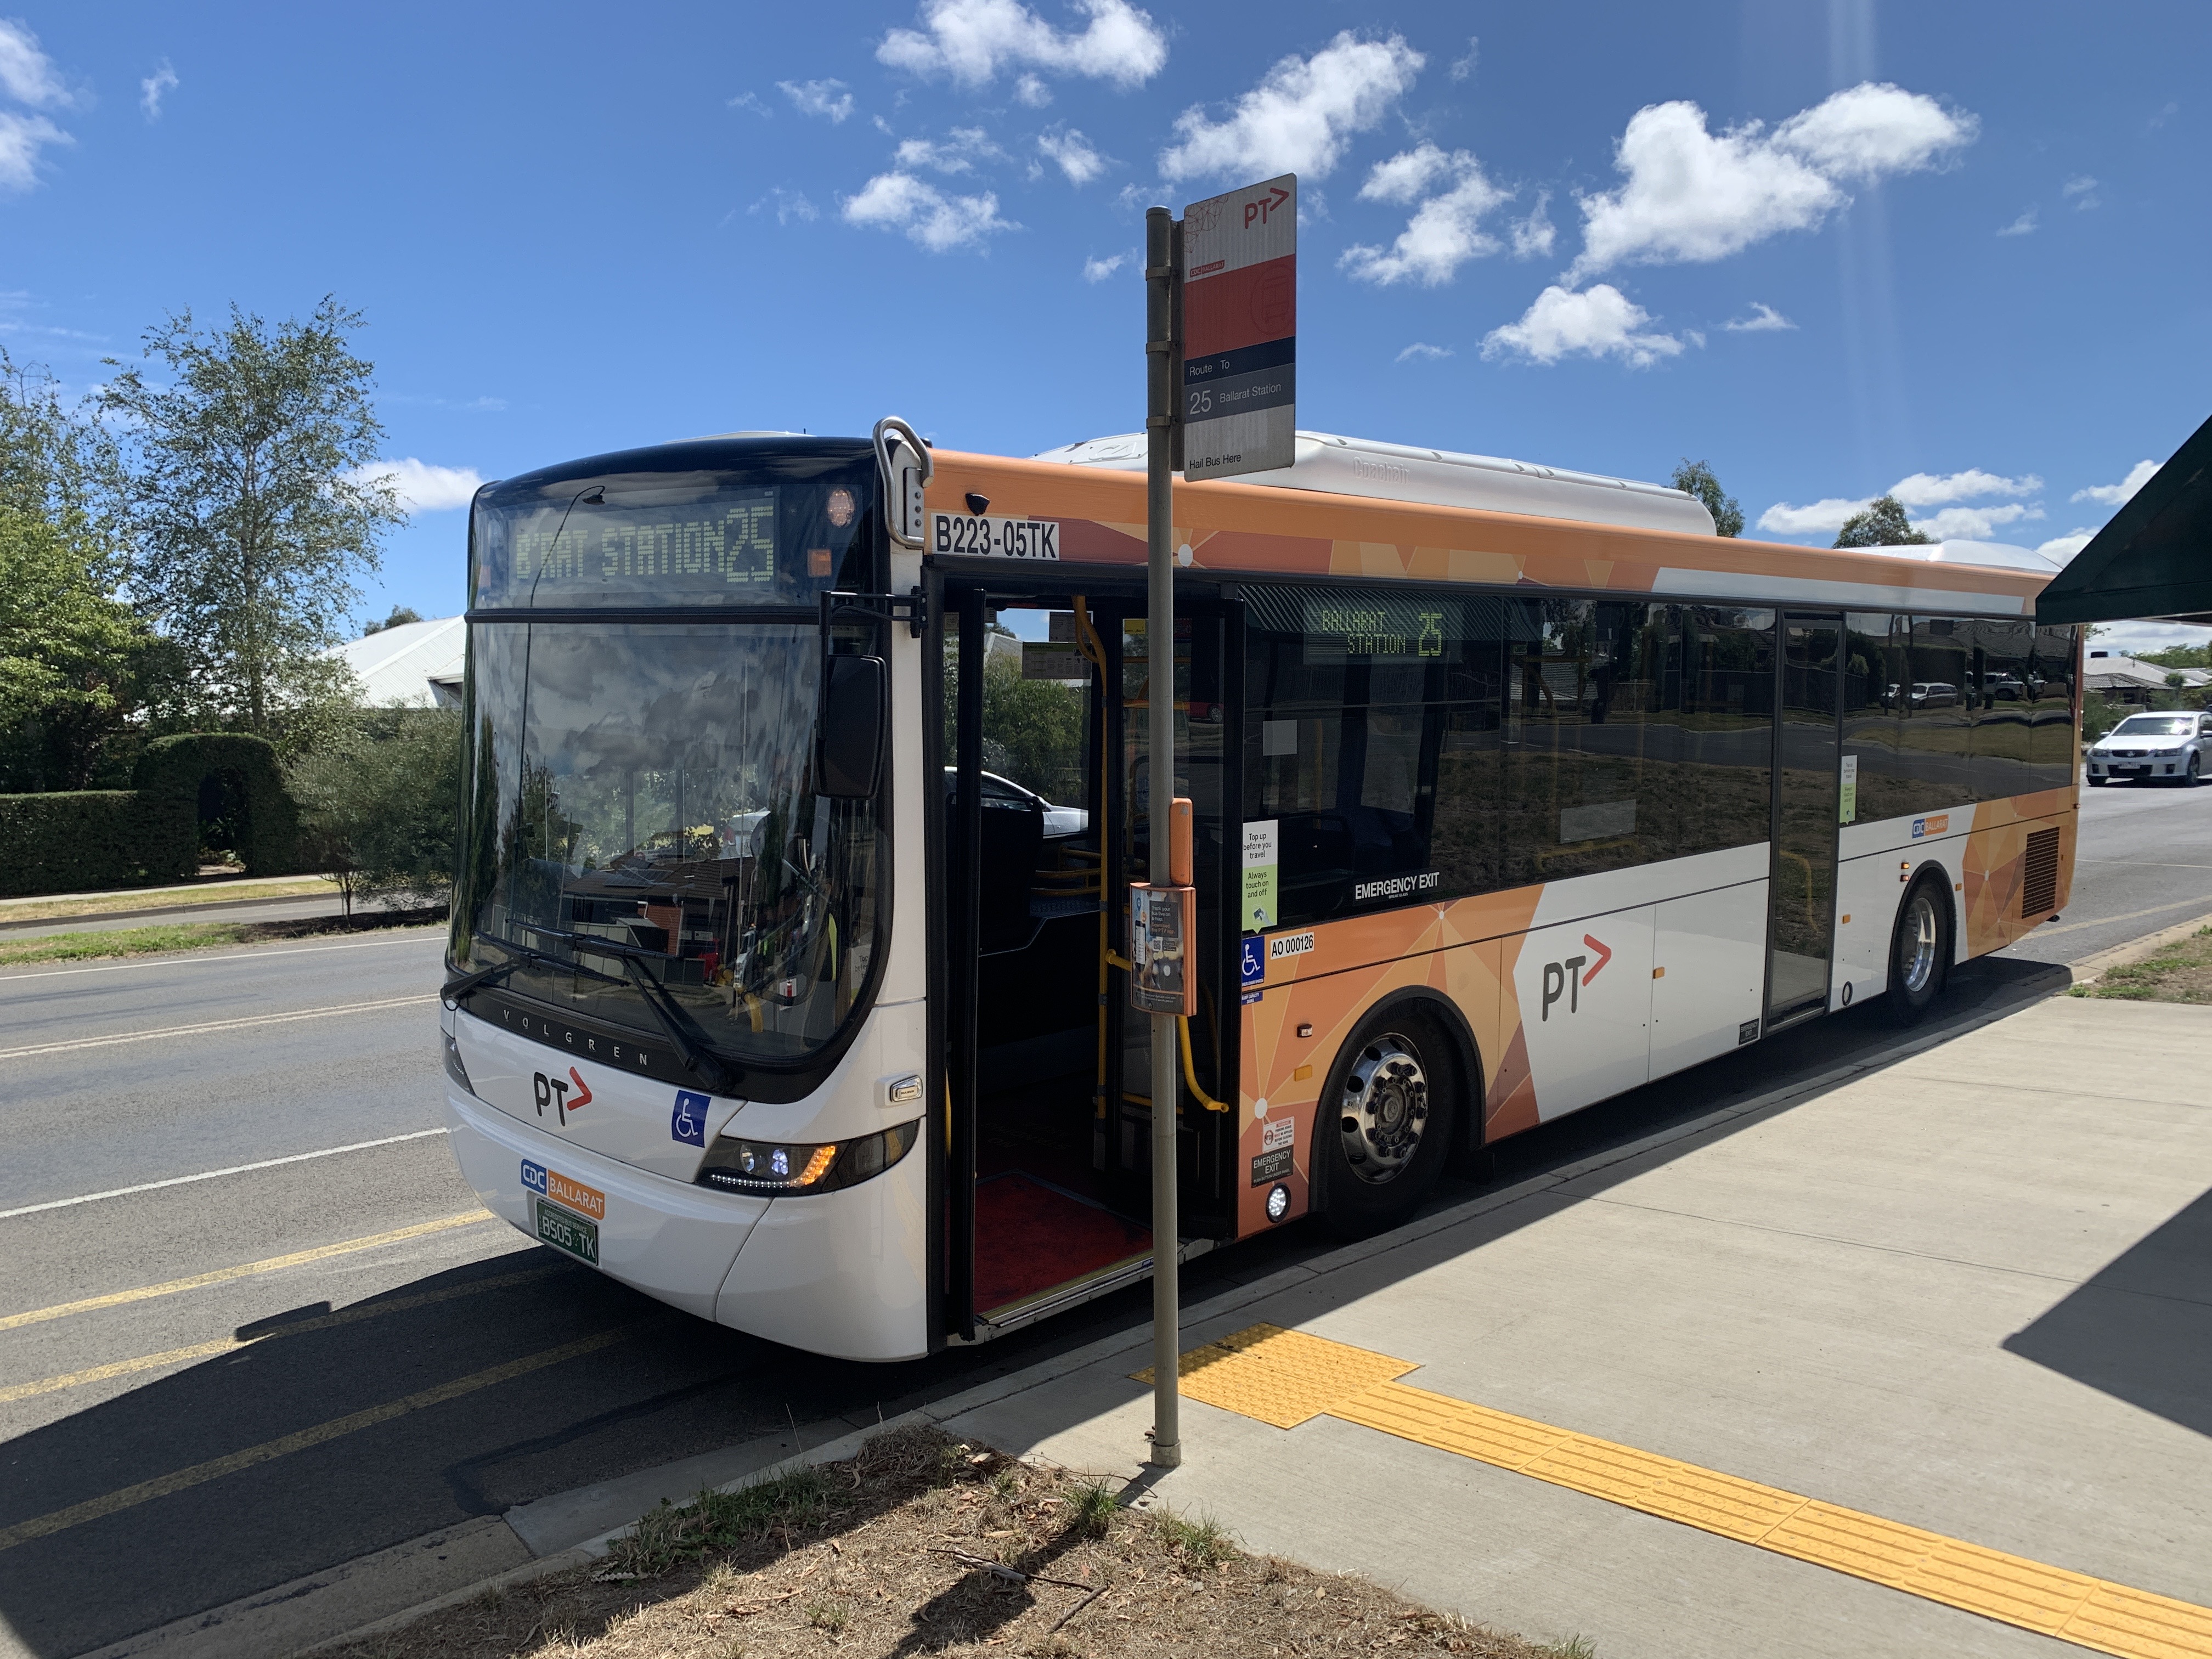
<point x="1240" y="331"/>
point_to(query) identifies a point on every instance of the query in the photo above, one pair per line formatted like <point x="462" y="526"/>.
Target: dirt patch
<point x="922" y="1546"/>
<point x="2178" y="972"/>
<point x="200" y="935"/>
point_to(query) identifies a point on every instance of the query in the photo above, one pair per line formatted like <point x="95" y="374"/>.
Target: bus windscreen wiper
<point x="654" y="989"/>
<point x="452" y="990"/>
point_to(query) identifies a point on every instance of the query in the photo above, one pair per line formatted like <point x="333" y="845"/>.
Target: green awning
<point x="2154" y="558"/>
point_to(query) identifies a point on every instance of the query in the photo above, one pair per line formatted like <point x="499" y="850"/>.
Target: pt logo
<point x="1264" y="206"/>
<point x="552" y="1091"/>
<point x="1565" y="979"/>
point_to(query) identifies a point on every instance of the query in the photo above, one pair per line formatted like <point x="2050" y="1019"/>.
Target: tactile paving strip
<point x="1287" y="1377"/>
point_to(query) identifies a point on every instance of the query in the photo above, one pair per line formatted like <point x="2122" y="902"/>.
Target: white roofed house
<point x="416" y="664"/>
<point x="2129" y="679"/>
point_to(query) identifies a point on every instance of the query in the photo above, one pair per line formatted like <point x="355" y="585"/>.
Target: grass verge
<point x="2179" y="972"/>
<point x="922" y="1546"/>
<point x="224" y="892"/>
<point x="197" y="936"/>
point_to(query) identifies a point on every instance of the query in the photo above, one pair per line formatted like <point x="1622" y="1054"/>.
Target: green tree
<point x="1032" y="729"/>
<point x="79" y="669"/>
<point x="380" y="804"/>
<point x="401" y="614"/>
<point x="242" y="468"/>
<point x="1882" y="525"/>
<point x="1697" y="479"/>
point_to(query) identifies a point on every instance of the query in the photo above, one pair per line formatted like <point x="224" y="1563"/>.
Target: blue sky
<point x="1957" y="250"/>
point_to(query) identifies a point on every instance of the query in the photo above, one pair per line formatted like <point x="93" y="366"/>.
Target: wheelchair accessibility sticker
<point x="687" y="1122"/>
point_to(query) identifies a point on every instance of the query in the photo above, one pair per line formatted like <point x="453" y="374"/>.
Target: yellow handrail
<point x="1190" y="1070"/>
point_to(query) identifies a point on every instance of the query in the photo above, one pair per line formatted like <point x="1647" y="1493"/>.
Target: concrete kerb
<point x="2091" y="968"/>
<point x="1218" y="1308"/>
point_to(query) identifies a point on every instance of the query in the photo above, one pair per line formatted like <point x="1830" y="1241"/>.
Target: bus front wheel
<point x="1919" y="953"/>
<point x="1385" y="1123"/>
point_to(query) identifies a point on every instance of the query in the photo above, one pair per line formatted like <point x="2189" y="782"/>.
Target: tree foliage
<point x="1032" y="729"/>
<point x="378" y="804"/>
<point x="1882" y="525"/>
<point x="242" y="468"/>
<point x="1696" y="479"/>
<point x="78" y="667"/>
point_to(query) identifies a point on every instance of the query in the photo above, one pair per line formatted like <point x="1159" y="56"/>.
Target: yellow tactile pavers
<point x="1286" y="1377"/>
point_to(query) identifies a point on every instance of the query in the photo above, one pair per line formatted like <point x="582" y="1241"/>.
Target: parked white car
<point x="2174" y="748"/>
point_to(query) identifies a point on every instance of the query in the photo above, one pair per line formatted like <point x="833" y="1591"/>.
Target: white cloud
<point x="2135" y="639"/>
<point x="2082" y="192"/>
<point x="958" y="152"/>
<point x="1423" y="352"/>
<point x="2063" y="548"/>
<point x="1462" y="68"/>
<point x="154" y="87"/>
<point x="827" y="98"/>
<point x="27" y="74"/>
<point x="899" y="201"/>
<point x="1533" y="236"/>
<point x="1302" y="114"/>
<point x="751" y="100"/>
<point x="1445" y="231"/>
<point x="971" y="41"/>
<point x="21" y="139"/>
<point x="421" y="487"/>
<point x="2023" y="225"/>
<point x="1928" y="489"/>
<point x="1823" y="517"/>
<point x="1764" y="319"/>
<point x="1074" y="153"/>
<point x="1097" y="270"/>
<point x="1693" y="196"/>
<point x="1870" y="131"/>
<point x="1601" y="322"/>
<point x="1031" y="91"/>
<point x="1972" y="523"/>
<point x="2114" y="495"/>
<point x="788" y="204"/>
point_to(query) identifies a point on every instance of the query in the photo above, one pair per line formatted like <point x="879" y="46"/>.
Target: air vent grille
<point x="2039" y="883"/>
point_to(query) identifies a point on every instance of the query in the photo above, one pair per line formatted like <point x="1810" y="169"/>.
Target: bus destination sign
<point x="1240" y="331"/>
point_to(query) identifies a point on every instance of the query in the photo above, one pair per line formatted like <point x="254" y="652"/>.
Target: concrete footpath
<point x="1960" y="1286"/>
<point x="1968" y="1292"/>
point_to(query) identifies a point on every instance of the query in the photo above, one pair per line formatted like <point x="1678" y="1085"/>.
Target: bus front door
<point x="1047" y="811"/>
<point x="1808" y="749"/>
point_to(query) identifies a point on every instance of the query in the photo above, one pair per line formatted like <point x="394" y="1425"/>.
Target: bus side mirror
<point x="850" y="745"/>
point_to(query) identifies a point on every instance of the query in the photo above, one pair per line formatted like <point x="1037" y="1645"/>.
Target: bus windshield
<point x="641" y="806"/>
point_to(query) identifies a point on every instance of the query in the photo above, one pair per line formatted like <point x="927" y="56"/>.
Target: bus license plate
<point x="978" y="536"/>
<point x="572" y="1233"/>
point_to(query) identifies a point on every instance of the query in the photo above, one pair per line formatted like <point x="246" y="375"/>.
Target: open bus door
<point x="1048" y="1142"/>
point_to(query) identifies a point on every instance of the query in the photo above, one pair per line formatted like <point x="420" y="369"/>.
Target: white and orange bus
<point x="788" y="969"/>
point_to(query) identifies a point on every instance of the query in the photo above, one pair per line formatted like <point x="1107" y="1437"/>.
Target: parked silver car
<point x="2173" y="748"/>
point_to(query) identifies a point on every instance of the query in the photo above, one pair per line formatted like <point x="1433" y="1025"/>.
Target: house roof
<point x="415" y="666"/>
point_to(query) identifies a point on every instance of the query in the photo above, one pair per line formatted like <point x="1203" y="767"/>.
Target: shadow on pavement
<point x="332" y="1436"/>
<point x="2141" y="1329"/>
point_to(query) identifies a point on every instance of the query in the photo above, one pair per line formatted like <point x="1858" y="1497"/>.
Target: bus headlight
<point x="771" y="1167"/>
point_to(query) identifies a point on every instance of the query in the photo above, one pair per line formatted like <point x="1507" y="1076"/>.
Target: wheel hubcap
<point x="1919" y="944"/>
<point x="1385" y="1109"/>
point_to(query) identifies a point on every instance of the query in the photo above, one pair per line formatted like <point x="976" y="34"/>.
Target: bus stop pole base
<point x="1167" y="1290"/>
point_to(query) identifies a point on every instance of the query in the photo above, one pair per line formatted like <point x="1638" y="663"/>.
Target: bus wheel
<point x="1919" y="954"/>
<point x="1384" y="1129"/>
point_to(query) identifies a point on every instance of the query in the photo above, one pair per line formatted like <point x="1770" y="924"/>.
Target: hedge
<point x="77" y="841"/>
<point x="168" y="779"/>
<point x="88" y="840"/>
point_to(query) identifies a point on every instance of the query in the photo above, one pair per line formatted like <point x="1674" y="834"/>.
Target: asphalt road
<point x="166" y="1453"/>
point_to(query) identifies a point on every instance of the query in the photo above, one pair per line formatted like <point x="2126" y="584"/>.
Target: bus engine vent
<point x="2039" y="882"/>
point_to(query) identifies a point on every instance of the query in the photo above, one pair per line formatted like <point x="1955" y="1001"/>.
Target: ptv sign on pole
<point x="1240" y="331"/>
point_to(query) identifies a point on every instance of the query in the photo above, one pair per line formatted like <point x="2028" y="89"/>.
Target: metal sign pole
<point x="1159" y="652"/>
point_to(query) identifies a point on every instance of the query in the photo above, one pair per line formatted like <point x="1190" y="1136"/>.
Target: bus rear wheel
<point x="1919" y="954"/>
<point x="1385" y="1124"/>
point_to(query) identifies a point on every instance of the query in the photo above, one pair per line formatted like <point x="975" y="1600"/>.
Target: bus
<point x="788" y="974"/>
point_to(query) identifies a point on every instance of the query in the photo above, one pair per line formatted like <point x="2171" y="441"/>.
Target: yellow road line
<point x="1288" y="1377"/>
<point x="148" y="1362"/>
<point x="239" y="1024"/>
<point x="145" y="1492"/>
<point x="272" y="1264"/>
